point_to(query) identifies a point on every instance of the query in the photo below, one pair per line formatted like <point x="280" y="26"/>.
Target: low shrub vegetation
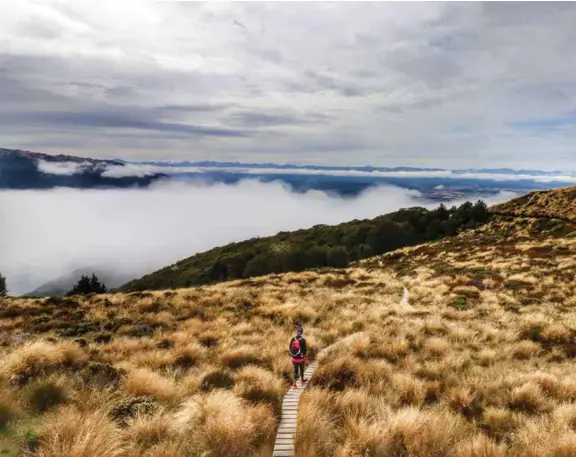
<point x="317" y="247"/>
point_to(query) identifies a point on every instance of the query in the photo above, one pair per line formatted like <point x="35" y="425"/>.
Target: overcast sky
<point x="421" y="84"/>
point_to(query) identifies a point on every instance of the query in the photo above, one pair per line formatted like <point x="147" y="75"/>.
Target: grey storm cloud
<point x="190" y="108"/>
<point x="263" y="119"/>
<point x="115" y="120"/>
<point x="454" y="84"/>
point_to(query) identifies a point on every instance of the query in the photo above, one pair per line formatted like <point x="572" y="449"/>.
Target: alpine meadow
<point x="477" y="362"/>
<point x="287" y="229"/>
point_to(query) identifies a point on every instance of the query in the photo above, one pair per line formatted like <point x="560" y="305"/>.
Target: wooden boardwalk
<point x="284" y="446"/>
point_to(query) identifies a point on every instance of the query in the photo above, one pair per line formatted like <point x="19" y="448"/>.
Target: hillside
<point x="337" y="246"/>
<point x="558" y="203"/>
<point x="317" y="247"/>
<point x="478" y="362"/>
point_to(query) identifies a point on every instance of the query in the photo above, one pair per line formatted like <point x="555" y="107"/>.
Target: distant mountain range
<point x="30" y="170"/>
<point x="366" y="169"/>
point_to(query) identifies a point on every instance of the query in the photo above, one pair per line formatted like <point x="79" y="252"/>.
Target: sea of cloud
<point x="45" y="234"/>
<point x="142" y="170"/>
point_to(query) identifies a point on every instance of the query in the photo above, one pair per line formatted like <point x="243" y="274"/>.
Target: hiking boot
<point x="304" y="381"/>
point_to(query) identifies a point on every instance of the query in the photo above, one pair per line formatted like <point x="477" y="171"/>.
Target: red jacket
<point x="303" y="349"/>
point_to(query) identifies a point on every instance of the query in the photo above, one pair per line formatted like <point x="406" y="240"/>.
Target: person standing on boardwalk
<point x="298" y="357"/>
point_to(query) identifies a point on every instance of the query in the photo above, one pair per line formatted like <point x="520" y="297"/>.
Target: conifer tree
<point x="3" y="289"/>
<point x="86" y="285"/>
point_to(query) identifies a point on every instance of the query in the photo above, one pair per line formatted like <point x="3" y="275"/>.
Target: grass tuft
<point x="72" y="433"/>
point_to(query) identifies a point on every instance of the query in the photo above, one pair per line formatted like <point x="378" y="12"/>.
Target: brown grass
<point x="225" y="424"/>
<point x="556" y="333"/>
<point x="37" y="358"/>
<point x="480" y="446"/>
<point x="73" y="433"/>
<point x="202" y="371"/>
<point x="525" y="350"/>
<point x="559" y="203"/>
<point x="146" y="383"/>
<point x="258" y="385"/>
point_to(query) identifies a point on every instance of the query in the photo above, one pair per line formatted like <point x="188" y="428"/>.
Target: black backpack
<point x="296" y="348"/>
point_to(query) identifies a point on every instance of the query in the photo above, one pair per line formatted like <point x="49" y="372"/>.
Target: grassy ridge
<point x="479" y="364"/>
<point x="317" y="247"/>
<point x="558" y="203"/>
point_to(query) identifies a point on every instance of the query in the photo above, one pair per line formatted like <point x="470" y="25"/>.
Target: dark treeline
<point x="87" y="285"/>
<point x="3" y="288"/>
<point x="319" y="246"/>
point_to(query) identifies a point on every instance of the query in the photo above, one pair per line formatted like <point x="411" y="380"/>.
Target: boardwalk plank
<point x="284" y="444"/>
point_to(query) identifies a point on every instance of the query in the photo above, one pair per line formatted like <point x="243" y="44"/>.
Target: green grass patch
<point x="460" y="302"/>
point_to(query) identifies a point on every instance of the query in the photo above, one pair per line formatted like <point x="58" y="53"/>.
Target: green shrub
<point x="317" y="247"/>
<point x="102" y="338"/>
<point x="45" y="395"/>
<point x="75" y="330"/>
<point x="128" y="408"/>
<point x="217" y="379"/>
<point x="3" y="289"/>
<point x="337" y="257"/>
<point x="31" y="441"/>
<point x="101" y="375"/>
<point x="459" y="302"/>
<point x="6" y="415"/>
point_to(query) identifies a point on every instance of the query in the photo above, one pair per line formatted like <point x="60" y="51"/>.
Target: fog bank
<point x="46" y="234"/>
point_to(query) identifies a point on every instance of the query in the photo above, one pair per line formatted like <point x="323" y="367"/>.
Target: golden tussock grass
<point x="241" y="356"/>
<point x="258" y="385"/>
<point x="40" y="357"/>
<point x="556" y="333"/>
<point x="529" y="398"/>
<point x="480" y="446"/>
<point x="525" y="350"/>
<point x="69" y="432"/>
<point x="147" y="383"/>
<point x="224" y="423"/>
<point x="436" y="347"/>
<point x="201" y="371"/>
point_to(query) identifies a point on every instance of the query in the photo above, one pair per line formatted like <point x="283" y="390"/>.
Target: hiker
<point x="298" y="357"/>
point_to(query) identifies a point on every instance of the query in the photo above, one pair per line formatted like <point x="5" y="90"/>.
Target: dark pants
<point x="298" y="367"/>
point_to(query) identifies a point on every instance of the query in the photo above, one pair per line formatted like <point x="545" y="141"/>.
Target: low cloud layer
<point x="141" y="170"/>
<point x="61" y="168"/>
<point x="46" y="234"/>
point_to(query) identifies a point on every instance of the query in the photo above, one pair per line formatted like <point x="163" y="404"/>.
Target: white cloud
<point x="46" y="234"/>
<point x="148" y="170"/>
<point x="451" y="84"/>
<point x="61" y="168"/>
<point x="122" y="171"/>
